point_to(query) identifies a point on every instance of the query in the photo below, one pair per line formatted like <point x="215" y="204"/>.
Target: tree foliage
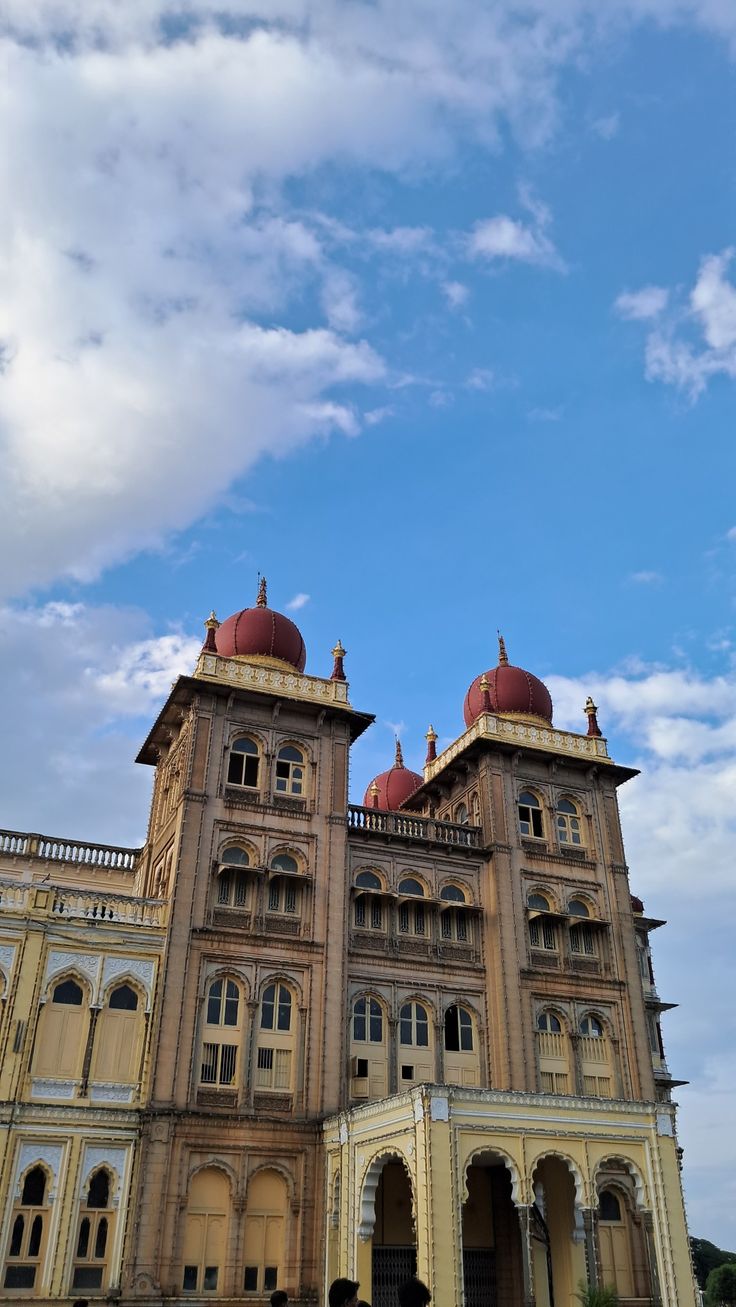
<point x="721" y="1287"/>
<point x="601" y="1297"/>
<point x="706" y="1257"/>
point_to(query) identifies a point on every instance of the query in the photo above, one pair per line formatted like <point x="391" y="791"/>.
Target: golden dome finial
<point x="503" y="658"/>
<point x="210" y="626"/>
<point x="338" y="671"/>
<point x="212" y="623"/>
<point x="399" y="759"/>
<point x="431" y="738"/>
<point x="592" y="714"/>
<point x="261" y="598"/>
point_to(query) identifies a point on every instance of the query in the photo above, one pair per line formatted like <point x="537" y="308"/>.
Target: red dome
<point x="260" y="632"/>
<point x="394" y="786"/>
<point x="510" y="689"/>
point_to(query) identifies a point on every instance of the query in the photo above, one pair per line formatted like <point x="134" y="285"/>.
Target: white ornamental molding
<point x="140" y="968"/>
<point x="48" y="1155"/>
<point x="87" y="963"/>
<point x="110" y="1093"/>
<point x="7" y="958"/>
<point x="113" y="1158"/>
<point x="59" y="1089"/>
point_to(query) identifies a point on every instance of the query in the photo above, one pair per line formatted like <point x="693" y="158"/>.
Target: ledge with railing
<point x="411" y="826"/>
<point x="45" y="899"/>
<point x="52" y="849"/>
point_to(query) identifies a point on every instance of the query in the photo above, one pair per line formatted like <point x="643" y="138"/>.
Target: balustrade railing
<point x="53" y="849"/>
<point x="410" y="826"/>
<point x="13" y="895"/>
<point x="91" y="906"/>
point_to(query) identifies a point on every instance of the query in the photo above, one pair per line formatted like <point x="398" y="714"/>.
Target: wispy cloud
<point x="640" y="305"/>
<point x="607" y="126"/>
<point x="456" y="293"/>
<point x="299" y="601"/>
<point x="646" y="578"/>
<point x="511" y="239"/>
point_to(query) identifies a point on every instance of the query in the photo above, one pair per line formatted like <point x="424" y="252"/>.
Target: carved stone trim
<point x="100" y="1155"/>
<point x="140" y="968"/>
<point x="87" y="963"/>
<point x="59" y="1089"/>
<point x="7" y="958"/>
<point x="105" y="1092"/>
<point x="50" y="1155"/>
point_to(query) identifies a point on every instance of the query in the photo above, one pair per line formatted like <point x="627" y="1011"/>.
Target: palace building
<point x="293" y="1038"/>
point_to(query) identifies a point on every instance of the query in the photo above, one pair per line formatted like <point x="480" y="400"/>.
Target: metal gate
<point x="392" y="1266"/>
<point x="479" y="1275"/>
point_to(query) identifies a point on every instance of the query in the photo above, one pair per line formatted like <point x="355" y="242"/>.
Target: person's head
<point x="414" y="1294"/>
<point x="363" y="1303"/>
<point x="343" y="1293"/>
<point x="279" y="1298"/>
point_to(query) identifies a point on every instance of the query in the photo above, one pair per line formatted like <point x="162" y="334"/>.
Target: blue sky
<point x="431" y="317"/>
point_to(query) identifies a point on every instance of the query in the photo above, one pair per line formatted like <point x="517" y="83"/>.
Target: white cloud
<point x="299" y="601"/>
<point x="646" y="578"/>
<point x="455" y="293"/>
<point x="506" y="238"/>
<point x="639" y="305"/>
<point x="731" y="533"/>
<point x="480" y="379"/>
<point x="698" y="342"/>
<point x="441" y="399"/>
<point x="607" y="126"/>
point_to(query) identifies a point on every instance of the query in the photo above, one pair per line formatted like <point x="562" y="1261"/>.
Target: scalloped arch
<point x="640" y="1191"/>
<point x="508" y="1162"/>
<point x="572" y="1166"/>
<point x="371" y="1178"/>
<point x="279" y="1169"/>
<point x="216" y="1164"/>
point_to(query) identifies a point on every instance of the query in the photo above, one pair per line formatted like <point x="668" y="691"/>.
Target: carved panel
<point x="140" y="968"/>
<point x="7" y="958"/>
<point x="87" y="963"/>
<point x="100" y="1155"/>
<point x="61" y="1089"/>
<point x="49" y="1155"/>
<point x="104" y="1092"/>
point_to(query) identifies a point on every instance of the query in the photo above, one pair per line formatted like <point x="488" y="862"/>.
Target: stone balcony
<point x="60" y="901"/>
<point x="49" y="848"/>
<point x="411" y="826"/>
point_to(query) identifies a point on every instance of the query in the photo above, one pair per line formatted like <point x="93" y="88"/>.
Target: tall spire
<point x="431" y="738"/>
<point x="485" y="693"/>
<point x="262" y="599"/>
<point x="211" y="625"/>
<point x="338" y="671"/>
<point x="591" y="710"/>
<point x="503" y="658"/>
<point x="399" y="759"/>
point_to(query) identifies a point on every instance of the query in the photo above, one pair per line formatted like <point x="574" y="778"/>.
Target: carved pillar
<point x="300" y="1089"/>
<point x="250" y="1067"/>
<point x="393" y="1056"/>
<point x="439" y="1053"/>
<point x="655" y="1290"/>
<point x="577" y="1070"/>
<point x="83" y="1088"/>
<point x="527" y="1269"/>
<point x="590" y="1226"/>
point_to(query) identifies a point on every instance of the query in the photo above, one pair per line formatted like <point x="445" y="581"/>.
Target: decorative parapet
<point x="80" y="905"/>
<point x="52" y="849"/>
<point x="268" y="679"/>
<point x="412" y="826"/>
<point x="491" y="727"/>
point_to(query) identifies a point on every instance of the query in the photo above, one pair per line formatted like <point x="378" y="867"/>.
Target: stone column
<point x="393" y="1060"/>
<point x="591" y="1245"/>
<point x="655" y="1290"/>
<point x="527" y="1269"/>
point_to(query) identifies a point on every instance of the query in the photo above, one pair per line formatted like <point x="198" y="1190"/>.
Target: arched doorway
<point x="557" y="1246"/>
<point x="492" y="1250"/>
<point x="388" y="1221"/>
<point x="622" y="1243"/>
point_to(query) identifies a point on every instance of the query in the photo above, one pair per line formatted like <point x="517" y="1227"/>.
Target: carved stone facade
<point x="303" y="1039"/>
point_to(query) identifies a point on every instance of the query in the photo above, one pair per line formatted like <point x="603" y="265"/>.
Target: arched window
<point x="452" y="894"/>
<point x="461" y="815"/>
<point x="582" y="935"/>
<point x="458" y="1030"/>
<point x="118" y="1046"/>
<point x="276" y="1040"/>
<point x="61" y="1035"/>
<point x="415" y="1045"/>
<point x="412" y="916"/>
<point x="609" y="1207"/>
<point x="553" y="1050"/>
<point x="244" y="763"/>
<point x="367" y="1021"/>
<point x="368" y="880"/>
<point x="267" y="1206"/>
<point x="205" y="1231"/>
<point x="538" y="903"/>
<point x="236" y="856"/>
<point x="94" y="1234"/>
<point x="222" y="1034"/>
<point x="290" y="771"/>
<point x="531" y="824"/>
<point x="568" y="823"/>
<point x="623" y="1259"/>
<point x="595" y="1064"/>
<point x="232" y="888"/>
<point x="462" y="1063"/>
<point x="369" y="1057"/>
<point x="284" y="894"/>
<point x="548" y="1021"/>
<point x="543" y="933"/>
<point x="27" y="1238"/>
<point x="455" y="925"/>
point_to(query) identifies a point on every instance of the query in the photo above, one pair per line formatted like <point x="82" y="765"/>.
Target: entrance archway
<point x="557" y="1235"/>
<point x="387" y="1219"/>
<point x="492" y="1250"/>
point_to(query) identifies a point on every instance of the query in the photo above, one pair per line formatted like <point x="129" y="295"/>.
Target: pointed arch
<point x="371" y="1178"/>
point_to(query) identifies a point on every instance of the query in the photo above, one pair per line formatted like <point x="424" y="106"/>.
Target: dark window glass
<point x="411" y="886"/>
<point x="20" y="1277"/>
<point x="359" y="1020"/>
<point x="124" y="998"/>
<point x="265" y="1059"/>
<point x="466" y="1031"/>
<point x="34" y="1241"/>
<point x="228" y="1054"/>
<point x="209" y="1064"/>
<point x="209" y="1280"/>
<point x="284" y="1019"/>
<point x="267" y="1007"/>
<point x="360" y="910"/>
<point x="69" y="992"/>
<point x="83" y="1241"/>
<point x="452" y="894"/>
<point x="237" y="856"/>
<point x="538" y="902"/>
<point x="530" y="815"/>
<point x="419" y="919"/>
<point x="405" y="1036"/>
<point x="361" y="1068"/>
<point x="565" y="805"/>
<point x="101" y="1240"/>
<point x="250" y="1281"/>
<point x="452" y="1030"/>
<point x="610" y="1208"/>
<point x="274" y="896"/>
<point x="270" y="1275"/>
<point x="214" y="1003"/>
<point x="243" y="764"/>
<point x="407" y="1072"/>
<point x="376" y="1022"/>
<point x="87" y="1277"/>
<point x="284" y="862"/>
<point x="591" y="1026"/>
<point x="34" y="1188"/>
<point x="376" y="914"/>
<point x="16" y="1238"/>
<point x="189" y="1282"/>
<point x="577" y="908"/>
<point x="232" y="999"/>
<point x="368" y="880"/>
